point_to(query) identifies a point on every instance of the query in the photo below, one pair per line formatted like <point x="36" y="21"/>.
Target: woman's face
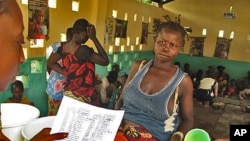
<point x="168" y="44"/>
<point x="11" y="39"/>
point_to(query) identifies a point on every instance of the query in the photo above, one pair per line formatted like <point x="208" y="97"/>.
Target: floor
<point x="217" y="121"/>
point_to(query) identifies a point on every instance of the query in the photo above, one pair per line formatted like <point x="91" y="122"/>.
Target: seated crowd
<point x="225" y="86"/>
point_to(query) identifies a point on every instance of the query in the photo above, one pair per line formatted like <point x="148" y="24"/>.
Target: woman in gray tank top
<point x="158" y="96"/>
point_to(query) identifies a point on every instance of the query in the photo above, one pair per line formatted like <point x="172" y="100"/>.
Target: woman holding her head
<point x="158" y="96"/>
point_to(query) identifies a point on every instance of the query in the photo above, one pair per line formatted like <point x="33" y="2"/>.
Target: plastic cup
<point x="44" y="29"/>
<point x="197" y="135"/>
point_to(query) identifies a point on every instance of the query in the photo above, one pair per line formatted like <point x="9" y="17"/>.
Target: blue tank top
<point x="150" y="111"/>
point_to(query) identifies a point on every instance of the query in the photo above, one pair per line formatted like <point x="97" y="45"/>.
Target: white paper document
<point x="85" y="122"/>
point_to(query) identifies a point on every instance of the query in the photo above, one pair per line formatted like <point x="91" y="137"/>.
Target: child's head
<point x="116" y="68"/>
<point x="124" y="78"/>
<point x="17" y="89"/>
<point x="83" y="53"/>
<point x="39" y="16"/>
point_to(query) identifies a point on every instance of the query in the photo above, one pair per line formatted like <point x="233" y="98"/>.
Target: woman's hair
<point x="80" y="25"/>
<point x="174" y="26"/>
<point x="17" y="83"/>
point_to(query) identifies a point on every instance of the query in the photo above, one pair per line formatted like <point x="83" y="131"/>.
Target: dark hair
<point x="112" y="76"/>
<point x="116" y="68"/>
<point x="17" y="83"/>
<point x="174" y="26"/>
<point x="69" y="33"/>
<point x="124" y="75"/>
<point x="80" y="25"/>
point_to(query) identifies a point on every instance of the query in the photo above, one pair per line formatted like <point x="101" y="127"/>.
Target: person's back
<point x="80" y="74"/>
<point x="207" y="90"/>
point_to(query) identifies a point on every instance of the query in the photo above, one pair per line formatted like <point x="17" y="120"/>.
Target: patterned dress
<point x="80" y="77"/>
<point x="55" y="85"/>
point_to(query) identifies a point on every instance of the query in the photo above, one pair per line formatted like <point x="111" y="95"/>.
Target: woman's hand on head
<point x="44" y="135"/>
<point x="91" y="31"/>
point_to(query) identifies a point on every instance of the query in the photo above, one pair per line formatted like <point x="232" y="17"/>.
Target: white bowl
<point x="14" y="116"/>
<point x="31" y="129"/>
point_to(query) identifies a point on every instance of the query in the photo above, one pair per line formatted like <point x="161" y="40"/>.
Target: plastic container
<point x="197" y="135"/>
<point x="14" y="116"/>
<point x="31" y="129"/>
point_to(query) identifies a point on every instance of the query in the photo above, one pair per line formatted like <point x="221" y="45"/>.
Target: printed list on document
<point x="85" y="122"/>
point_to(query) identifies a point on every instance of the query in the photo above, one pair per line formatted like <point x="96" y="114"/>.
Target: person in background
<point x="245" y="93"/>
<point x="231" y="89"/>
<point x="197" y="78"/>
<point x="158" y="97"/>
<point x="79" y="70"/>
<point x="107" y="88"/>
<point x="56" y="80"/>
<point x="177" y="64"/>
<point x="116" y="68"/>
<point x="223" y="79"/>
<point x="187" y="70"/>
<point x="17" y="90"/>
<point x="117" y="93"/>
<point x="11" y="40"/>
<point x="207" y="90"/>
<point x="243" y="82"/>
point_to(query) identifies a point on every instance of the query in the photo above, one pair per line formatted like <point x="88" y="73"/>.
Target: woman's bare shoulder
<point x="186" y="85"/>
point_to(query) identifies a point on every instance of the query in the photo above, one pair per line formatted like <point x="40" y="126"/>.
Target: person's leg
<point x="206" y="104"/>
<point x="241" y="97"/>
<point x="243" y="107"/>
